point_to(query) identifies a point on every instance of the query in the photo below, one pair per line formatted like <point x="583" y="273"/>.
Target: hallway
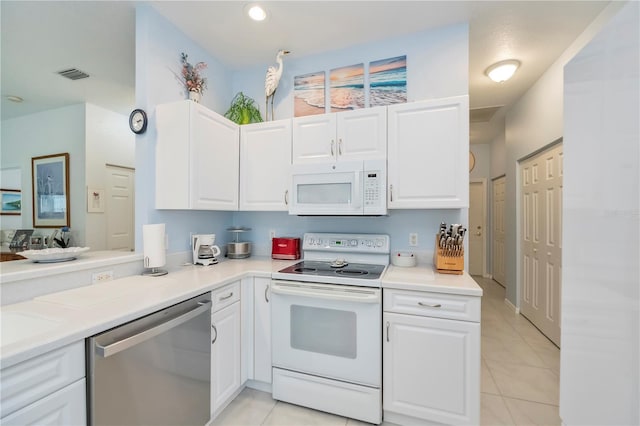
<point x="520" y="366"/>
<point x="519" y="383"/>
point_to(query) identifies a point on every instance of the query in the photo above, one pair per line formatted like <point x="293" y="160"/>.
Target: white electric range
<point x="327" y="325"/>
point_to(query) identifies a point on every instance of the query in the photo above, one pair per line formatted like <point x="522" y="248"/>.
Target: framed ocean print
<point x="346" y="88"/>
<point x="308" y="94"/>
<point x="50" y="184"/>
<point x="388" y="81"/>
<point x="11" y="201"/>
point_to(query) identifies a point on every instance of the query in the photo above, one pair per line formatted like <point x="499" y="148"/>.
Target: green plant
<point x="243" y="110"/>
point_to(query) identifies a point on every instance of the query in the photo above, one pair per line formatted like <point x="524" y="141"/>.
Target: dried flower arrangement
<point x="193" y="81"/>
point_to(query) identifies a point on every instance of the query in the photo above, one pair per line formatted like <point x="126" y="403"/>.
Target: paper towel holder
<point x="154" y="257"/>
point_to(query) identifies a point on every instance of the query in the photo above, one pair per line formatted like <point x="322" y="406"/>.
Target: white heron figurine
<point x="271" y="82"/>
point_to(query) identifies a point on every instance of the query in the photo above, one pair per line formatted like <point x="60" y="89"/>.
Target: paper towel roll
<point x="153" y="245"/>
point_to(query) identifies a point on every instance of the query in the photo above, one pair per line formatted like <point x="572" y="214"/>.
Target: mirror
<point x="82" y="111"/>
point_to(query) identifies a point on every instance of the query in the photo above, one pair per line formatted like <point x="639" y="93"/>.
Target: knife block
<point x="448" y="262"/>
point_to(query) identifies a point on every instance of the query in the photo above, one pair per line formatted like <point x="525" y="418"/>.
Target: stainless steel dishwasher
<point x="154" y="370"/>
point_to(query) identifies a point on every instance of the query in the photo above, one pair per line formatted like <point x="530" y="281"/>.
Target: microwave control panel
<point x="375" y="186"/>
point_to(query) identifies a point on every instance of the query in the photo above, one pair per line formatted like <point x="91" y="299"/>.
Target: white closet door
<point x="498" y="230"/>
<point x="541" y="246"/>
<point x="477" y="232"/>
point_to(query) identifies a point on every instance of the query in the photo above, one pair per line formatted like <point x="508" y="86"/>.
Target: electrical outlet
<point x="272" y="234"/>
<point x="413" y="239"/>
<point x="100" y="277"/>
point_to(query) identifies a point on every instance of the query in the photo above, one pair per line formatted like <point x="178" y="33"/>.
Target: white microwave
<point x="339" y="189"/>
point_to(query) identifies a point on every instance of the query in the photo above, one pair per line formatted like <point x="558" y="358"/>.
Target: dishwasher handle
<point x="119" y="346"/>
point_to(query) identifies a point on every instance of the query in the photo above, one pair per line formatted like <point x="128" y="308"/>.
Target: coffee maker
<point x="204" y="252"/>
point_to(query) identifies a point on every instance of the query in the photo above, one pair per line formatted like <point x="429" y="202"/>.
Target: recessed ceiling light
<point x="13" y="98"/>
<point x="503" y="70"/>
<point x="256" y="12"/>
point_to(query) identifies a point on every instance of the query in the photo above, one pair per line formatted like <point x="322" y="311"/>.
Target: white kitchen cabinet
<point x="351" y="135"/>
<point x="428" y="154"/>
<point x="197" y="158"/>
<point x="431" y="366"/>
<point x="225" y="347"/>
<point x="48" y="388"/>
<point x="265" y="162"/>
<point x="262" y="330"/>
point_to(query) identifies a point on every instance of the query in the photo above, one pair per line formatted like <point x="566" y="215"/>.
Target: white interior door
<point x="477" y="219"/>
<point x="497" y="230"/>
<point x="120" y="208"/>
<point x="541" y="246"/>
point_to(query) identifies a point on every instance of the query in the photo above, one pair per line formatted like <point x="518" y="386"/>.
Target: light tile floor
<point x="519" y="385"/>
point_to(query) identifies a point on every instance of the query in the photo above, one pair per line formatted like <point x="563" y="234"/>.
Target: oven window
<point x="325" y="331"/>
<point x="324" y="193"/>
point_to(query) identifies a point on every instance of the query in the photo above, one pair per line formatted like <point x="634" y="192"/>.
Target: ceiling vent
<point x="482" y="115"/>
<point x="73" y="74"/>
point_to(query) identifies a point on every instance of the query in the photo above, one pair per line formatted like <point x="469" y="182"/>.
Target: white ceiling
<point x="41" y="38"/>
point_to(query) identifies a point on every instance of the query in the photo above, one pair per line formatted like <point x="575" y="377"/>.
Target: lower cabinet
<point x="431" y="366"/>
<point x="225" y="347"/>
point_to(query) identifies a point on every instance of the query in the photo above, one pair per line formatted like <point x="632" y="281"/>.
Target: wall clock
<point x="138" y="121"/>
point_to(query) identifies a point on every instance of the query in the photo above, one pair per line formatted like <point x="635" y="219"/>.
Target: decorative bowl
<point x="53" y="255"/>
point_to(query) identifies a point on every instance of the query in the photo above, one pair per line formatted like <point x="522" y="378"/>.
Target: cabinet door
<point x="64" y="407"/>
<point x="262" y="330"/>
<point x="429" y="154"/>
<point x="265" y="161"/>
<point x="225" y="356"/>
<point x="362" y="134"/>
<point x="214" y="161"/>
<point x="431" y="368"/>
<point x="314" y="139"/>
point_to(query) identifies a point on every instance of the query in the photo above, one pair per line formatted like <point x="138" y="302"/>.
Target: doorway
<point x="497" y="230"/>
<point x="540" y="240"/>
<point x="477" y="226"/>
<point x="120" y="208"/>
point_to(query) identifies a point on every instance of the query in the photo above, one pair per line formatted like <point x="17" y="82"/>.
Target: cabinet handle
<point x="387" y="331"/>
<point x="266" y="297"/>
<point x="216" y="330"/>
<point x="428" y="305"/>
<point x="340" y="146"/>
<point x="227" y="296"/>
<point x="286" y="197"/>
<point x="332" y="144"/>
<point x="391" y="192"/>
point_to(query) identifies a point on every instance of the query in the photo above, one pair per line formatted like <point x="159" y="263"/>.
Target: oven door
<point x="326" y="330"/>
<point x="327" y="189"/>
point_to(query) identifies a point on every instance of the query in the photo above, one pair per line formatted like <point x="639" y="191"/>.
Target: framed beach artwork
<point x="346" y="88"/>
<point x="308" y="94"/>
<point x="388" y="81"/>
<point x="11" y="201"/>
<point x="50" y="182"/>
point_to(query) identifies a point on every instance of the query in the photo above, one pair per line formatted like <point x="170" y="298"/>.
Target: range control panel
<point x="340" y="243"/>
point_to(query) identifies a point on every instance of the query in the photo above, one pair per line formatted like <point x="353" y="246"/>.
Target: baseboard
<point x="257" y="385"/>
<point x="515" y="309"/>
<point x="487" y="276"/>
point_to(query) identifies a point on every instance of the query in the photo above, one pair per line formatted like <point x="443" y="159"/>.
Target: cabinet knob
<point x="332" y="150"/>
<point x="216" y="331"/>
<point x="340" y="146"/>
<point x="286" y="197"/>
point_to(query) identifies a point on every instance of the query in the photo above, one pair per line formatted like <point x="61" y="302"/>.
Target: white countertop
<point x="54" y="320"/>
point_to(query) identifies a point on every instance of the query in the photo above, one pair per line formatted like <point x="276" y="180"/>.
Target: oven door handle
<point x="325" y="292"/>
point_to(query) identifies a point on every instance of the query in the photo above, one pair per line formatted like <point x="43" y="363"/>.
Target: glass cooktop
<point x="335" y="269"/>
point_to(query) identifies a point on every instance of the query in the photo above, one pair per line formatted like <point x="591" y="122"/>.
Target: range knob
<point x="353" y="243"/>
<point x="379" y="243"/>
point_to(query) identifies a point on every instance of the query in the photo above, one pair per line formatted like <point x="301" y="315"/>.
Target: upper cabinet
<point x="428" y="154"/>
<point x="265" y="162"/>
<point x="197" y="158"/>
<point x="354" y="135"/>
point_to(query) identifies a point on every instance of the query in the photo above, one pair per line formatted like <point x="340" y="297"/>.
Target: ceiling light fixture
<point x="13" y="98"/>
<point x="503" y="70"/>
<point x="256" y="12"/>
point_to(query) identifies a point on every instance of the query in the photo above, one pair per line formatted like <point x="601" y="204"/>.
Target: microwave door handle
<point x="357" y="195"/>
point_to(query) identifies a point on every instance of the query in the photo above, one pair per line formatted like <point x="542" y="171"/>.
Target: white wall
<point x="108" y="141"/>
<point x="532" y="123"/>
<point x="50" y="132"/>
<point x="600" y="357"/>
<point x="437" y="63"/>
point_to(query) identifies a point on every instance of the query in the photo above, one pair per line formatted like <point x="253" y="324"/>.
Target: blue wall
<point x="437" y="66"/>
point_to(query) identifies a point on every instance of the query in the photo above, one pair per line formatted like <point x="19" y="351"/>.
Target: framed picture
<point x="50" y="182"/>
<point x="11" y="200"/>
<point x="347" y="88"/>
<point x="308" y="94"/>
<point x="388" y="81"/>
<point x="21" y="239"/>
